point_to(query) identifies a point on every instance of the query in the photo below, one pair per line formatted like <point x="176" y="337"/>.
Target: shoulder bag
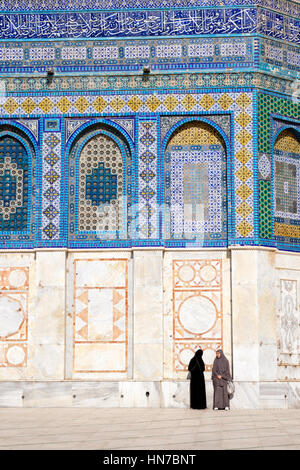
<point x="230" y="389"/>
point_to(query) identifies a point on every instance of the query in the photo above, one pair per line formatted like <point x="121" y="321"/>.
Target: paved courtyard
<point x="155" y="429"/>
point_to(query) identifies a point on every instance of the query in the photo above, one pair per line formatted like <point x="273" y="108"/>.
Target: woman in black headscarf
<point x="197" y="386"/>
<point x="220" y="376"/>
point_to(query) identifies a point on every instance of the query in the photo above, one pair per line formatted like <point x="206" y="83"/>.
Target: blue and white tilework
<point x="148" y="227"/>
<point x="52" y="147"/>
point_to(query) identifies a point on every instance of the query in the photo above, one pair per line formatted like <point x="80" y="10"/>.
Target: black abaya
<point x="197" y="386"/>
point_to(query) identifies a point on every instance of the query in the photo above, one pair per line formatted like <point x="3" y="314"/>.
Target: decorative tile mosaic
<point x="264" y="167"/>
<point x="51" y="201"/>
<point x="275" y="113"/>
<point x="100" y="191"/>
<point x="180" y="81"/>
<point x="290" y="7"/>
<point x="100" y="204"/>
<point x="287" y="184"/>
<point x="275" y="54"/>
<point x="32" y="125"/>
<point x="197" y="310"/>
<point x="148" y="224"/>
<point x="14" y="185"/>
<point x="104" y="24"/>
<point x="160" y="54"/>
<point x="219" y="108"/>
<point x="195" y="184"/>
<point x="265" y="215"/>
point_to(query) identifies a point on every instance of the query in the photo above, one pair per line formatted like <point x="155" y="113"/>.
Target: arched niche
<point x="195" y="193"/>
<point x="287" y="175"/>
<point x="100" y="184"/>
<point x="15" y="180"/>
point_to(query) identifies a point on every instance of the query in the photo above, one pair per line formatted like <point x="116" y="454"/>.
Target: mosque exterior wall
<point x="160" y="306"/>
<point x="149" y="200"/>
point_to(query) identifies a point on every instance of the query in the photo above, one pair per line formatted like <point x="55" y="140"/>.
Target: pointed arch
<point x="100" y="185"/>
<point x="16" y="153"/>
<point x="195" y="178"/>
<point x="286" y="154"/>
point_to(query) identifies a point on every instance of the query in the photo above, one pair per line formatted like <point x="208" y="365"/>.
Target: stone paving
<point x="154" y="429"/>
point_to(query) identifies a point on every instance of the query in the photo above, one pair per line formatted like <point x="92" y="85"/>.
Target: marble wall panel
<point x="245" y="317"/>
<point x="17" y="277"/>
<point x="266" y="302"/>
<point x="195" y="309"/>
<point x="288" y="316"/>
<point x="47" y="326"/>
<point x="97" y="326"/>
<point x="148" y="315"/>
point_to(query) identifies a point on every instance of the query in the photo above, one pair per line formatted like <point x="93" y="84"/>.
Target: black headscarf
<point x="198" y="356"/>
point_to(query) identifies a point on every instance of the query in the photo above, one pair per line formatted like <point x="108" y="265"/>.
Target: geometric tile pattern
<point x="100" y="167"/>
<point x="148" y="179"/>
<point x="114" y="55"/>
<point x="195" y="184"/>
<point x="265" y="227"/>
<point x="287" y="185"/>
<point x="62" y="5"/>
<point x="274" y="113"/>
<point x="14" y="185"/>
<point x="237" y="103"/>
<point x="197" y="310"/>
<point x="100" y="185"/>
<point x="13" y="316"/>
<point x="269" y="104"/>
<point x="51" y="186"/>
<point x="215" y="81"/>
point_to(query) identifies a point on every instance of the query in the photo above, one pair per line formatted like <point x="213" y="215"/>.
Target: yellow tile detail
<point x="285" y="230"/>
<point x="243" y="155"/>
<point x="243" y="119"/>
<point x="152" y="103"/>
<point x="134" y="103"/>
<point x="10" y="106"/>
<point x="244" y="210"/>
<point x="206" y="102"/>
<point x="64" y="105"/>
<point x="243" y="137"/>
<point x="225" y="101"/>
<point x="170" y="103"/>
<point x="189" y="102"/>
<point x="195" y="133"/>
<point x="244" y="191"/>
<point x="243" y="101"/>
<point x="244" y="173"/>
<point x="28" y="105"/>
<point x="99" y="104"/>
<point x="244" y="228"/>
<point x="46" y="105"/>
<point x="81" y="104"/>
<point x="287" y="142"/>
<point x="117" y="104"/>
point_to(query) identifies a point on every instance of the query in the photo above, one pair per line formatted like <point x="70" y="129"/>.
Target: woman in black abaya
<point x="197" y="386"/>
